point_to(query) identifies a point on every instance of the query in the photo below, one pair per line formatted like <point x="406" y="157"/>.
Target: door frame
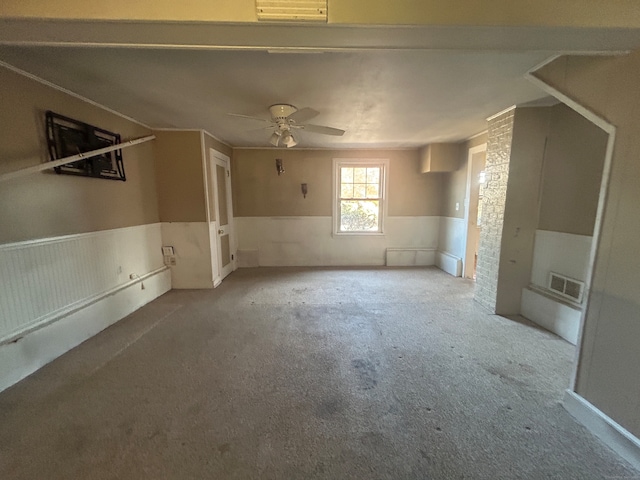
<point x="216" y="156"/>
<point x="467" y="201"/>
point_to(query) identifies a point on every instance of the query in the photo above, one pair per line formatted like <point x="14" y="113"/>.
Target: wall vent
<point x="566" y="287"/>
<point x="292" y="10"/>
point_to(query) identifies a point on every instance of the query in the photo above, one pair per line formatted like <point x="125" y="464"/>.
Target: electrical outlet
<point x="170" y="260"/>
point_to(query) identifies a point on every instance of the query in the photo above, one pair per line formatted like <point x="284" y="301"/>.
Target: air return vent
<point x="292" y="10"/>
<point x="566" y="287"/>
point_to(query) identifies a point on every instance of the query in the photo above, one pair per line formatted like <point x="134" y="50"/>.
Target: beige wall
<point x="575" y="13"/>
<point x="573" y="164"/>
<point x="472" y="12"/>
<point x="209" y="143"/>
<point x="530" y="129"/>
<point x="609" y="358"/>
<point x="180" y="175"/>
<point x="455" y="183"/>
<point x="259" y="191"/>
<point x="45" y="204"/>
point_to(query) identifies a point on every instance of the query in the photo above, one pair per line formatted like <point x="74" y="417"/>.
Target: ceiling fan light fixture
<point x="275" y="139"/>
<point x="288" y="140"/>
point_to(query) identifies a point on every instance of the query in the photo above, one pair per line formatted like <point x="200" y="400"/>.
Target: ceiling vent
<point x="292" y="10"/>
<point x="566" y="287"/>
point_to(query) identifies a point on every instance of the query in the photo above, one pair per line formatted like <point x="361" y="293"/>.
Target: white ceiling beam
<point x="311" y="38"/>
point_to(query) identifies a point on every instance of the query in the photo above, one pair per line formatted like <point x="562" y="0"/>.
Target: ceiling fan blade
<point x="322" y="129"/>
<point x="250" y="117"/>
<point x="261" y="129"/>
<point x="302" y="115"/>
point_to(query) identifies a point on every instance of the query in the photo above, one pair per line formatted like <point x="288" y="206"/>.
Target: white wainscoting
<point x="448" y="263"/>
<point x="563" y="253"/>
<point x="57" y="292"/>
<point x="308" y="241"/>
<point x="42" y="279"/>
<point x="451" y="236"/>
<point x="194" y="252"/>
<point x="552" y="314"/>
<point x="411" y="257"/>
<point x="451" y="244"/>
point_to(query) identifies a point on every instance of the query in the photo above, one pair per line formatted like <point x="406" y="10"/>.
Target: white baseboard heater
<point x="449" y="263"/>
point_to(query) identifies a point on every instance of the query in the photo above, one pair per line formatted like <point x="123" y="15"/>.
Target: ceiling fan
<point x="286" y="118"/>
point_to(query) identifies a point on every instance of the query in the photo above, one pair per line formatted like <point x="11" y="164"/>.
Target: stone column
<point x="500" y="135"/>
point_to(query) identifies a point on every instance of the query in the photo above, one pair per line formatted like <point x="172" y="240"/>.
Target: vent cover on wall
<point x="566" y="287"/>
<point x="292" y="10"/>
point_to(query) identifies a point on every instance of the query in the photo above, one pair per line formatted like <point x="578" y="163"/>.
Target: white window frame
<point x="383" y="163"/>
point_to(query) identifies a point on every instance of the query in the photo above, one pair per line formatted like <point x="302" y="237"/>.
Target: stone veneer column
<point x="500" y="134"/>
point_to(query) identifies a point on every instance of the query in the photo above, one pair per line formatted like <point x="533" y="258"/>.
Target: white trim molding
<point x="49" y="84"/>
<point x="604" y="188"/>
<point x="616" y="437"/>
<point x="467" y="200"/>
<point x="383" y="164"/>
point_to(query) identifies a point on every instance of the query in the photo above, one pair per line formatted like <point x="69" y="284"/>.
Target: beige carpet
<point x="306" y="373"/>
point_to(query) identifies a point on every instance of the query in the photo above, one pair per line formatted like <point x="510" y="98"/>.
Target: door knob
<point x="220" y="232"/>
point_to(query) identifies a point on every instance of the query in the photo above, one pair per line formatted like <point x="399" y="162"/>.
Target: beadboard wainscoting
<point x="57" y="292"/>
<point x="308" y="241"/>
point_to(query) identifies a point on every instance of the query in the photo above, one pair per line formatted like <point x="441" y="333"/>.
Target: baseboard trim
<point x="616" y="437"/>
<point x="26" y="354"/>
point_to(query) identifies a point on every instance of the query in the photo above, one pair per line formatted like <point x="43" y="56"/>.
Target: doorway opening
<point x="221" y="229"/>
<point x="473" y="209"/>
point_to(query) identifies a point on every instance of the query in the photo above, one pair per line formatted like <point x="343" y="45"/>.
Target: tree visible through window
<point x="360" y="197"/>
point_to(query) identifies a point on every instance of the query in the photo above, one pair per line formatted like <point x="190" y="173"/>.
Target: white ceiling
<point x="382" y="97"/>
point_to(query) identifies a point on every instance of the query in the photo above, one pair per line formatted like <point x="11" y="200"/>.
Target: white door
<point x="221" y="177"/>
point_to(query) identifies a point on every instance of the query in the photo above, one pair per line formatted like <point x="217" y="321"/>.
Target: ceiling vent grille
<point x="292" y="10"/>
<point x="566" y="287"/>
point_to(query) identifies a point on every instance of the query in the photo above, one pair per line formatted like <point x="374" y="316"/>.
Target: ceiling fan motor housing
<point x="280" y="111"/>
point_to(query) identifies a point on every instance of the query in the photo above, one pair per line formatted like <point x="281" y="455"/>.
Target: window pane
<point x="359" y="215"/>
<point x="372" y="191"/>
<point x="346" y="190"/>
<point x="359" y="190"/>
<point x="373" y="175"/>
<point x="360" y="175"/>
<point x="346" y="175"/>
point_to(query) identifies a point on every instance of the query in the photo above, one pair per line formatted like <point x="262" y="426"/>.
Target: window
<point x="359" y="196"/>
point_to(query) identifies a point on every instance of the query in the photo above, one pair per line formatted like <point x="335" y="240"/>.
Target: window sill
<point x="358" y="234"/>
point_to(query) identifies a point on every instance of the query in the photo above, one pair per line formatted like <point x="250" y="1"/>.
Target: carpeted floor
<point x="301" y="374"/>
